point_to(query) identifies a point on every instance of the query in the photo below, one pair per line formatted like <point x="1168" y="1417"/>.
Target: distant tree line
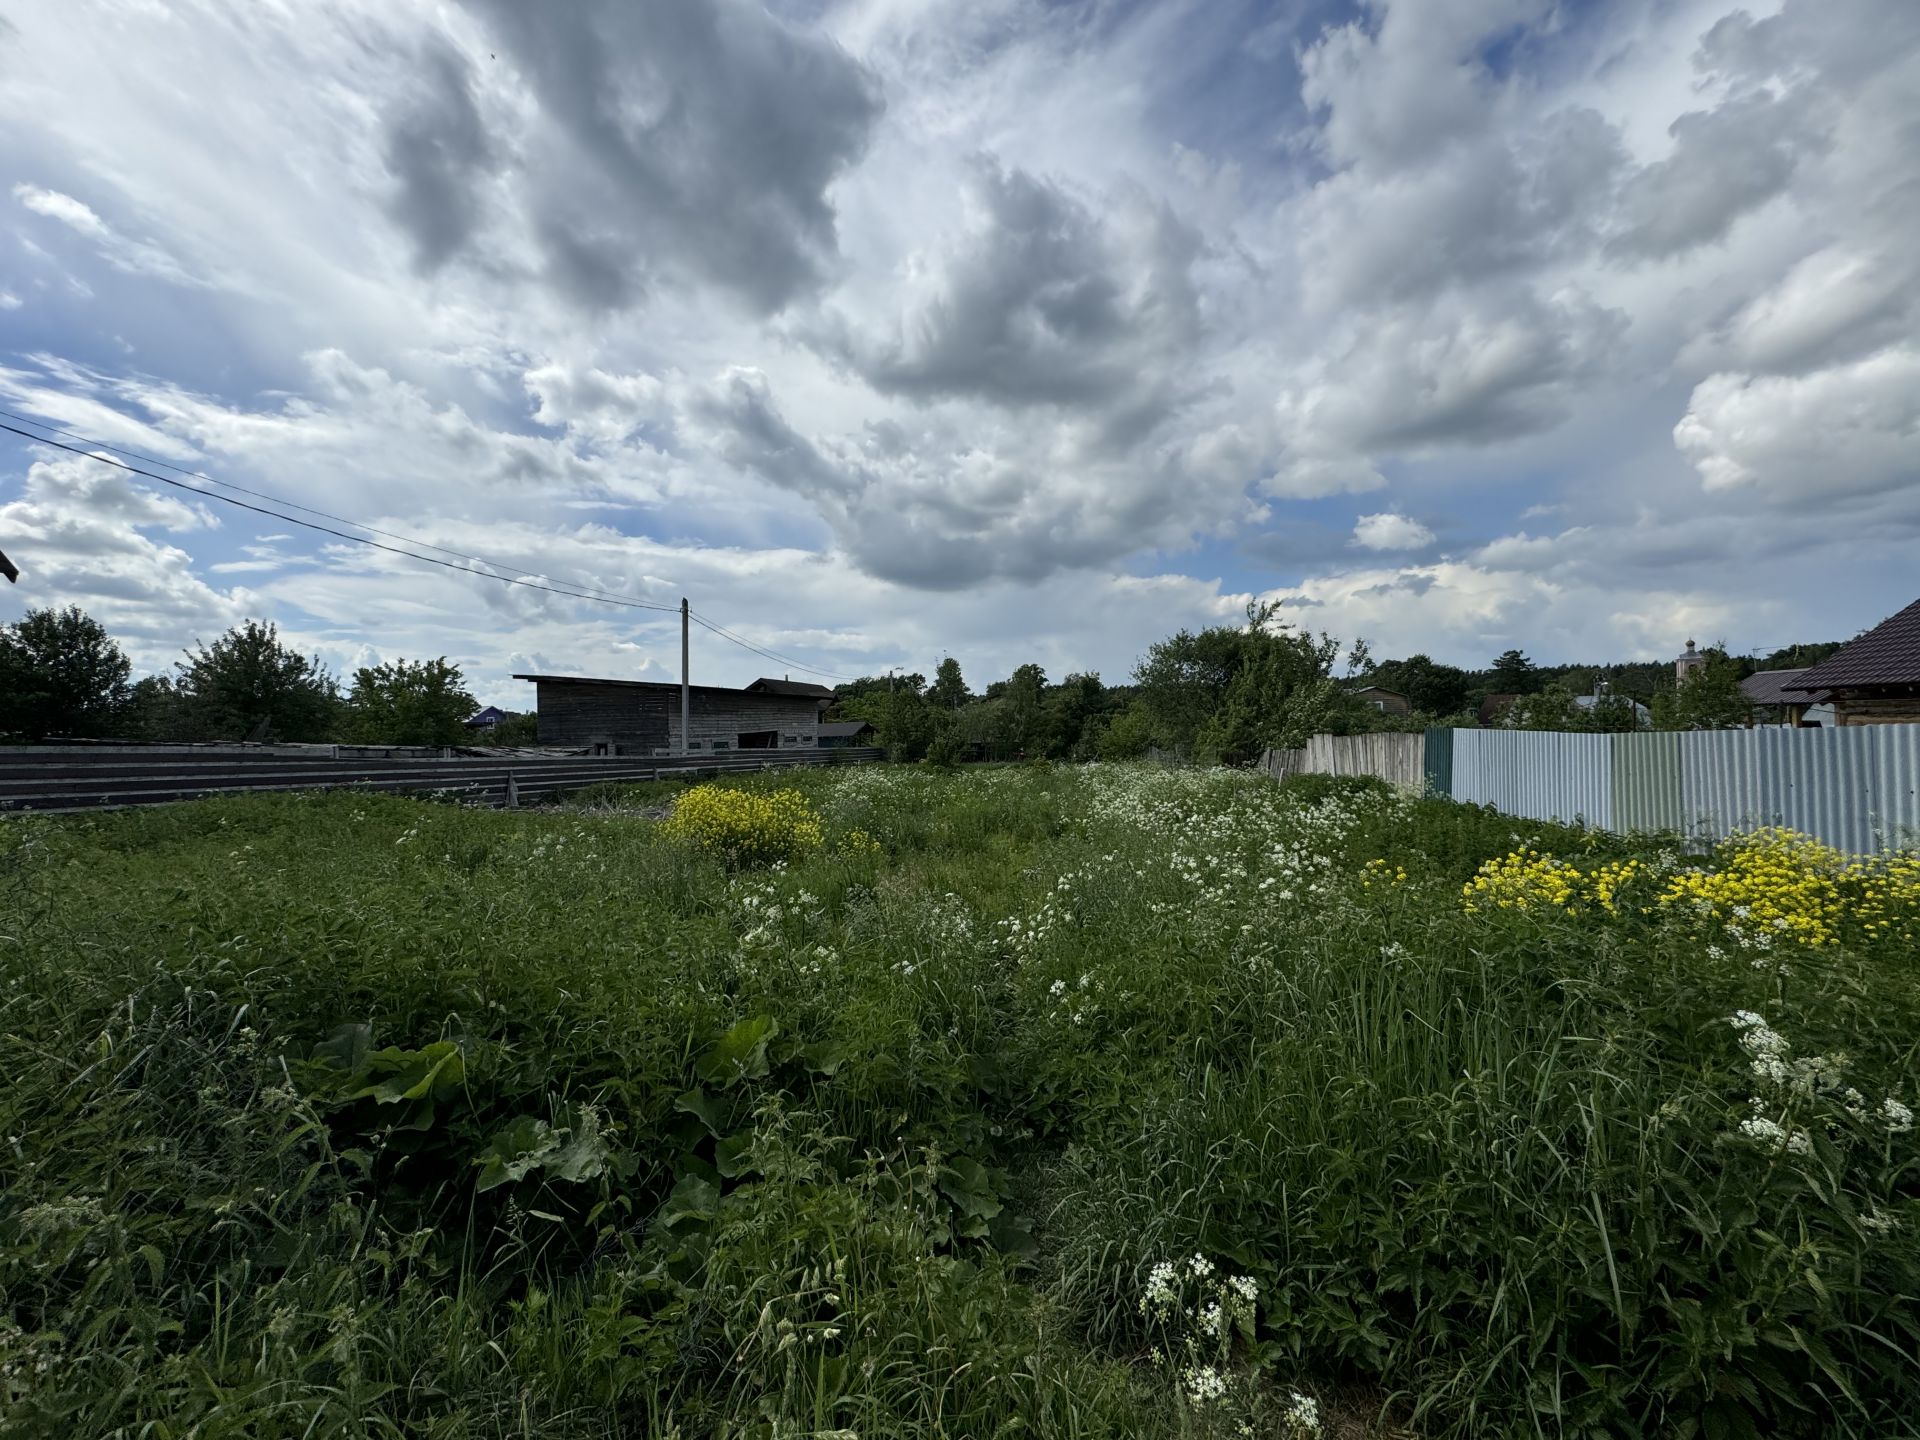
<point x="62" y="676"/>
<point x="1220" y="694"/>
<point x="1516" y="693"/>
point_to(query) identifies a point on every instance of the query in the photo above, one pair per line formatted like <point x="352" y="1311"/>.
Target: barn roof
<point x="768" y="686"/>
<point x="844" y="729"/>
<point x="672" y="686"/>
<point x="1888" y="654"/>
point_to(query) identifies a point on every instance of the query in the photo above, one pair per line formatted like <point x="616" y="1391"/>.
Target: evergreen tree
<point x="1515" y="674"/>
<point x="61" y="674"/>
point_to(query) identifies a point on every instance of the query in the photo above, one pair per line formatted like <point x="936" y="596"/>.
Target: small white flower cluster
<point x="1302" y="1415"/>
<point x="1199" y="1311"/>
<point x="1204" y="1385"/>
<point x="1770" y="1058"/>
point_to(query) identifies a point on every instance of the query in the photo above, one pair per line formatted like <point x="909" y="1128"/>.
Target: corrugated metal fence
<point x="1857" y="788"/>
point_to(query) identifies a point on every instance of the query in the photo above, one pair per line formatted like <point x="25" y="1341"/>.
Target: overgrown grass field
<point x="1102" y="1101"/>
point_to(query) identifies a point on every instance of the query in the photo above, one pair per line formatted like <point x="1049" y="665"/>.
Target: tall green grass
<point x="354" y="1115"/>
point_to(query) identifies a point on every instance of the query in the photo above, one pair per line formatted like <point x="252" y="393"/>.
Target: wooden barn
<point x="642" y="717"/>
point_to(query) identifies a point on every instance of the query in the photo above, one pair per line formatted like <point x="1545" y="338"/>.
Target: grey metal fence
<point x="1857" y="788"/>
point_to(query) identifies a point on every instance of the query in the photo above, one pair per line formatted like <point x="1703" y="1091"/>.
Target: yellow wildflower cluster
<point x="1530" y="880"/>
<point x="1771" y="883"/>
<point x="858" y="844"/>
<point x="1381" y="872"/>
<point x="745" y="828"/>
<point x="1777" y="885"/>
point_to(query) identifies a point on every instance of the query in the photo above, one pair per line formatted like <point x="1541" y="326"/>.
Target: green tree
<point x="1230" y="692"/>
<point x="409" y="702"/>
<point x="1024" y="730"/>
<point x="1556" y="707"/>
<point x="521" y="727"/>
<point x="61" y="674"/>
<point x="1127" y="736"/>
<point x="1430" y="687"/>
<point x="247" y="682"/>
<point x="949" y="689"/>
<point x="156" y="710"/>
<point x="1710" y="698"/>
<point x="1515" y="674"/>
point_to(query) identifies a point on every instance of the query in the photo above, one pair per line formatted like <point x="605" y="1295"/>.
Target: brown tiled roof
<point x="1771" y="687"/>
<point x="1888" y="654"/>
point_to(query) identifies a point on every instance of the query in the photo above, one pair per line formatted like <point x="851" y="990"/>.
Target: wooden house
<point x="1874" y="680"/>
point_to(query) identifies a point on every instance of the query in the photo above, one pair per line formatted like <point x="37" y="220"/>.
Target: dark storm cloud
<point x="694" y="138"/>
<point x="439" y="154"/>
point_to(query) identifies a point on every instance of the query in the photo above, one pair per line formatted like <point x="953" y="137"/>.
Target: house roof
<point x="671" y="686"/>
<point x="1888" y="654"/>
<point x="491" y="715"/>
<point x="1770" y="687"/>
<point x="844" y="729"/>
<point x="1379" y="690"/>
<point x="766" y="686"/>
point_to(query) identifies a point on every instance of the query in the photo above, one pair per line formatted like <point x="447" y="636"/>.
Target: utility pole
<point x="685" y="691"/>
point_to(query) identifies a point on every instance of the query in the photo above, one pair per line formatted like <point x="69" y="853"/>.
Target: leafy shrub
<point x="745" y="828"/>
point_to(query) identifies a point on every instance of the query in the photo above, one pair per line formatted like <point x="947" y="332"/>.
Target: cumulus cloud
<point x="82" y="529"/>
<point x="1850" y="430"/>
<point x="1390" y="531"/>
<point x="1726" y="162"/>
<point x="900" y="326"/>
<point x="1040" y="301"/>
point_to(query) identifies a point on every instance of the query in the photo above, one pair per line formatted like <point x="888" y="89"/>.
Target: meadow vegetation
<point x="878" y="1102"/>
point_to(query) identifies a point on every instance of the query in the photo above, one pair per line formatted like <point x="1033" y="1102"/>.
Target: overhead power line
<point x="725" y="633"/>
<point x="513" y="575"/>
<point x="88" y="440"/>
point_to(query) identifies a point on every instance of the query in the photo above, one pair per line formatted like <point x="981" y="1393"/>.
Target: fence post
<point x="513" y="792"/>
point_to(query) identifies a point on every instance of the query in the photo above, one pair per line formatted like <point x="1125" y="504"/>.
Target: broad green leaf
<point x="733" y="1156"/>
<point x="967" y="1184"/>
<point x="692" y="1199"/>
<point x="347" y="1048"/>
<point x="583" y="1157"/>
<point x="740" y="1054"/>
<point x="512" y="1154"/>
<point x="703" y="1107"/>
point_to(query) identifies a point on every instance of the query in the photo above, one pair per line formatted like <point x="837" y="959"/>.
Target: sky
<point x="1013" y="330"/>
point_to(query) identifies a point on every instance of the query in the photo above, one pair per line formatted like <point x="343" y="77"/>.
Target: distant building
<point x="1874" y="680"/>
<point x="642" y="717"/>
<point x="1493" y="709"/>
<point x="1387" y="702"/>
<point x="1642" y="716"/>
<point x="485" y="719"/>
<point x="838" y="734"/>
<point x="1774" y="704"/>
<point x="1686" y="664"/>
